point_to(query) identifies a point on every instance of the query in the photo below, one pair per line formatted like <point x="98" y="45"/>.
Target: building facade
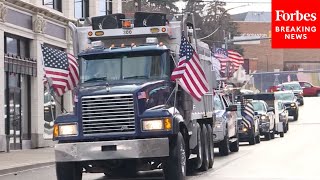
<point x="260" y="55"/>
<point x="25" y="25"/>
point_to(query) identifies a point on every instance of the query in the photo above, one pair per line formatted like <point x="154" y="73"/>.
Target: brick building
<point x="261" y="56"/>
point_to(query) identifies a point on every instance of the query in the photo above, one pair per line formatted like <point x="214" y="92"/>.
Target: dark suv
<point x="290" y="101"/>
<point x="295" y="88"/>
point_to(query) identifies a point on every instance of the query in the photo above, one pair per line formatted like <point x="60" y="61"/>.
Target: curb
<point x="25" y="167"/>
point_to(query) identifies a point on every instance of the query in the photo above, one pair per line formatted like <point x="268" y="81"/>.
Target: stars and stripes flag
<point x="224" y="56"/>
<point x="189" y="73"/>
<point x="61" y="70"/>
<point x="248" y="115"/>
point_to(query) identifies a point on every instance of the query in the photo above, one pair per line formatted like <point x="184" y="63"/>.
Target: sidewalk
<point x="25" y="159"/>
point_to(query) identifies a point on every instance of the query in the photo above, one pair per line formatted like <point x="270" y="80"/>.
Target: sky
<point x="257" y="5"/>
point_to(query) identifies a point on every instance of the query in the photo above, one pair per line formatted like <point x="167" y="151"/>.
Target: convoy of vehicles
<point x="225" y="131"/>
<point x="129" y="116"/>
<point x="309" y="89"/>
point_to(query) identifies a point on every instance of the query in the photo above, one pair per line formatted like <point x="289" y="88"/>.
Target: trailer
<point x="129" y="116"/>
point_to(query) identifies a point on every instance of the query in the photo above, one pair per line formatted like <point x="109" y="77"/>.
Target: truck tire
<point x="282" y="134"/>
<point x="197" y="162"/>
<point x="272" y="134"/>
<point x="252" y="138"/>
<point x="234" y="146"/>
<point x="267" y="136"/>
<point x="258" y="140"/>
<point x="205" y="148"/>
<point x="175" y="166"/>
<point x="318" y="93"/>
<point x="296" y="115"/>
<point x="211" y="146"/>
<point x="68" y="171"/>
<point x="285" y="127"/>
<point x="224" y="146"/>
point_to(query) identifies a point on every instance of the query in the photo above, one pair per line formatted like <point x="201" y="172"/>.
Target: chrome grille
<point x="108" y="114"/>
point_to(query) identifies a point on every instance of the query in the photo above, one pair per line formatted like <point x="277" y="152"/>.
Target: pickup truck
<point x="225" y="131"/>
<point x="309" y="89"/>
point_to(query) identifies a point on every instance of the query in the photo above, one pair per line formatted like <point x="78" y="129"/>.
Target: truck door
<point x="232" y="121"/>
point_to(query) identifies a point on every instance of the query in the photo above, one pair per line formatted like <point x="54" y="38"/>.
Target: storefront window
<point x="12" y="46"/>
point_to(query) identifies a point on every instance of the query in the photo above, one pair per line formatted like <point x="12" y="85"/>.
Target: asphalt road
<point x="294" y="157"/>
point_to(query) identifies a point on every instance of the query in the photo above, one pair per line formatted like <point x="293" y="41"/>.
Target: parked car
<point x="266" y="118"/>
<point x="290" y="102"/>
<point x="296" y="88"/>
<point x="225" y="131"/>
<point x="283" y="116"/>
<point x="309" y="89"/>
<point x="248" y="125"/>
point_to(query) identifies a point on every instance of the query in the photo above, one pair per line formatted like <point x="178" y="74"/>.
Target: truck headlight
<point x="264" y="118"/>
<point x="157" y="124"/>
<point x="293" y="104"/>
<point x="65" y="130"/>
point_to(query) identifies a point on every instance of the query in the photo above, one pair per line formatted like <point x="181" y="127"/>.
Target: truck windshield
<point x="258" y="106"/>
<point x="284" y="96"/>
<point x="115" y="67"/>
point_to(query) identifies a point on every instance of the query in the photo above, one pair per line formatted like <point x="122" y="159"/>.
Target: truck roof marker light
<point x="133" y="45"/>
<point x="123" y="45"/>
<point x="127" y="23"/>
<point x="161" y="44"/>
<point x="112" y="46"/>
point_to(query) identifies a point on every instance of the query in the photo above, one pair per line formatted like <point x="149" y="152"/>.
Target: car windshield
<point x="292" y="86"/>
<point x="284" y="96"/>
<point x="117" y="67"/>
<point x="258" y="106"/>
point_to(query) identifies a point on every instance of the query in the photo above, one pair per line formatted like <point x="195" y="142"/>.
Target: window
<point x="81" y="8"/>
<point x="16" y="45"/>
<point x="307" y="85"/>
<point x="53" y="4"/>
<point x="218" y="103"/>
<point x="105" y="7"/>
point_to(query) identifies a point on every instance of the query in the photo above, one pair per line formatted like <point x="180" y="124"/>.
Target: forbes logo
<point x="281" y="15"/>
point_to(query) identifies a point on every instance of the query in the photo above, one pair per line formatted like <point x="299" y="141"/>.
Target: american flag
<point x="225" y="56"/>
<point x="189" y="73"/>
<point x="248" y="115"/>
<point x="61" y="70"/>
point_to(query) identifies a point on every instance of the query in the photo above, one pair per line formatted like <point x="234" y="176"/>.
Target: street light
<point x="225" y="11"/>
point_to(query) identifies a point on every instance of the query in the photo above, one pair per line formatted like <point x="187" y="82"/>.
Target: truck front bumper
<point x="218" y="136"/>
<point x="106" y="150"/>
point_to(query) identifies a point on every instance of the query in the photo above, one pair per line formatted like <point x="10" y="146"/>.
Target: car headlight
<point x="264" y="118"/>
<point x="65" y="130"/>
<point x="292" y="104"/>
<point x="157" y="124"/>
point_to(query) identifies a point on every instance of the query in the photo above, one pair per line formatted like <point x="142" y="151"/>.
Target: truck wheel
<point x="318" y="94"/>
<point x="296" y="115"/>
<point x="234" y="146"/>
<point x="282" y="134"/>
<point x="267" y="136"/>
<point x="272" y="134"/>
<point x="224" y="146"/>
<point x="205" y="148"/>
<point x="285" y="127"/>
<point x="258" y="140"/>
<point x="252" y="138"/>
<point x="197" y="162"/>
<point x="68" y="171"/>
<point x="175" y="166"/>
<point x="211" y="146"/>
